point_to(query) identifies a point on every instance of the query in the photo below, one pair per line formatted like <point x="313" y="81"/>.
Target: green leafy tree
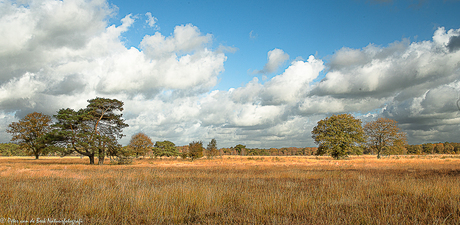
<point x="448" y="148"/>
<point x="195" y="150"/>
<point x="140" y="144"/>
<point x="165" y="148"/>
<point x="30" y="132"/>
<point x="439" y="148"/>
<point x="321" y="150"/>
<point x="240" y="148"/>
<point x="414" y="149"/>
<point x="339" y="135"/>
<point x="383" y="134"/>
<point x="211" y="149"/>
<point x="120" y="156"/>
<point x="11" y="149"/>
<point x="428" y="148"/>
<point x="92" y="131"/>
<point x="456" y="147"/>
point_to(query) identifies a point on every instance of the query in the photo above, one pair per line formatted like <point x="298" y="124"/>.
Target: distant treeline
<point x="433" y="148"/>
<point x="269" y="151"/>
<point x="428" y="148"/>
<point x="11" y="149"/>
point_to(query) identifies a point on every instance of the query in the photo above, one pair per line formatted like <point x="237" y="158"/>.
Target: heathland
<point x="421" y="189"/>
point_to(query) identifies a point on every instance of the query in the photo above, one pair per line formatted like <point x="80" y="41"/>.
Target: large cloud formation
<point x="58" y="54"/>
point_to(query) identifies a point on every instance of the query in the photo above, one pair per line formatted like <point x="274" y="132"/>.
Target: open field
<point x="234" y="189"/>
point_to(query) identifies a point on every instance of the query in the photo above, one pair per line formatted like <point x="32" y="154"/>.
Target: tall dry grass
<point x="242" y="190"/>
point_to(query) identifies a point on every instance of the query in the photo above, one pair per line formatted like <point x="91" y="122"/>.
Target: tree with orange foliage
<point x="384" y="133"/>
<point x="140" y="144"/>
<point x="30" y="132"/>
<point x="195" y="150"/>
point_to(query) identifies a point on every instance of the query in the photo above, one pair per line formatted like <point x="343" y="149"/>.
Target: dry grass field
<point x="235" y="189"/>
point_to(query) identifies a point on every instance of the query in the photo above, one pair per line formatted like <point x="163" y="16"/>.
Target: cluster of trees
<point x="12" y="149"/>
<point x="141" y="145"/>
<point x="340" y="135"/>
<point x="93" y="131"/>
<point x="289" y="151"/>
<point x="434" y="148"/>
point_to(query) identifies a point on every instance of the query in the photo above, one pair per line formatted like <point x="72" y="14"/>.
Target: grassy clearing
<point x="234" y="189"/>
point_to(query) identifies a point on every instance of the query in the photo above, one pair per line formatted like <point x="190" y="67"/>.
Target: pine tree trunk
<point x="36" y="156"/>
<point x="91" y="159"/>
<point x="101" y="157"/>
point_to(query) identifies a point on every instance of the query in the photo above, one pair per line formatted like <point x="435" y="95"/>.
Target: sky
<point x="258" y="73"/>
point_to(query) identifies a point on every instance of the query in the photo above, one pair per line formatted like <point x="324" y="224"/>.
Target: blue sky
<point x="258" y="73"/>
<point x="300" y="28"/>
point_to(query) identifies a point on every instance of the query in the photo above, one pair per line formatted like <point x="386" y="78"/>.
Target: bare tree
<point x="384" y="133"/>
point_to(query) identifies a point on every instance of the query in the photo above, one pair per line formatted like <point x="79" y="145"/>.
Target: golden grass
<point x="234" y="189"/>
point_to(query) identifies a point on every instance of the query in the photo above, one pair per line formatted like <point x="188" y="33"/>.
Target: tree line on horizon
<point x="95" y="130"/>
<point x="13" y="149"/>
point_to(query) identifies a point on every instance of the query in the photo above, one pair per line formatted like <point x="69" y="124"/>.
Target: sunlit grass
<point x="235" y="189"/>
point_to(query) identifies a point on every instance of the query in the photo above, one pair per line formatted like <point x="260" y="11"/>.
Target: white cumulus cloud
<point x="275" y="59"/>
<point x="151" y="20"/>
<point x="58" y="54"/>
